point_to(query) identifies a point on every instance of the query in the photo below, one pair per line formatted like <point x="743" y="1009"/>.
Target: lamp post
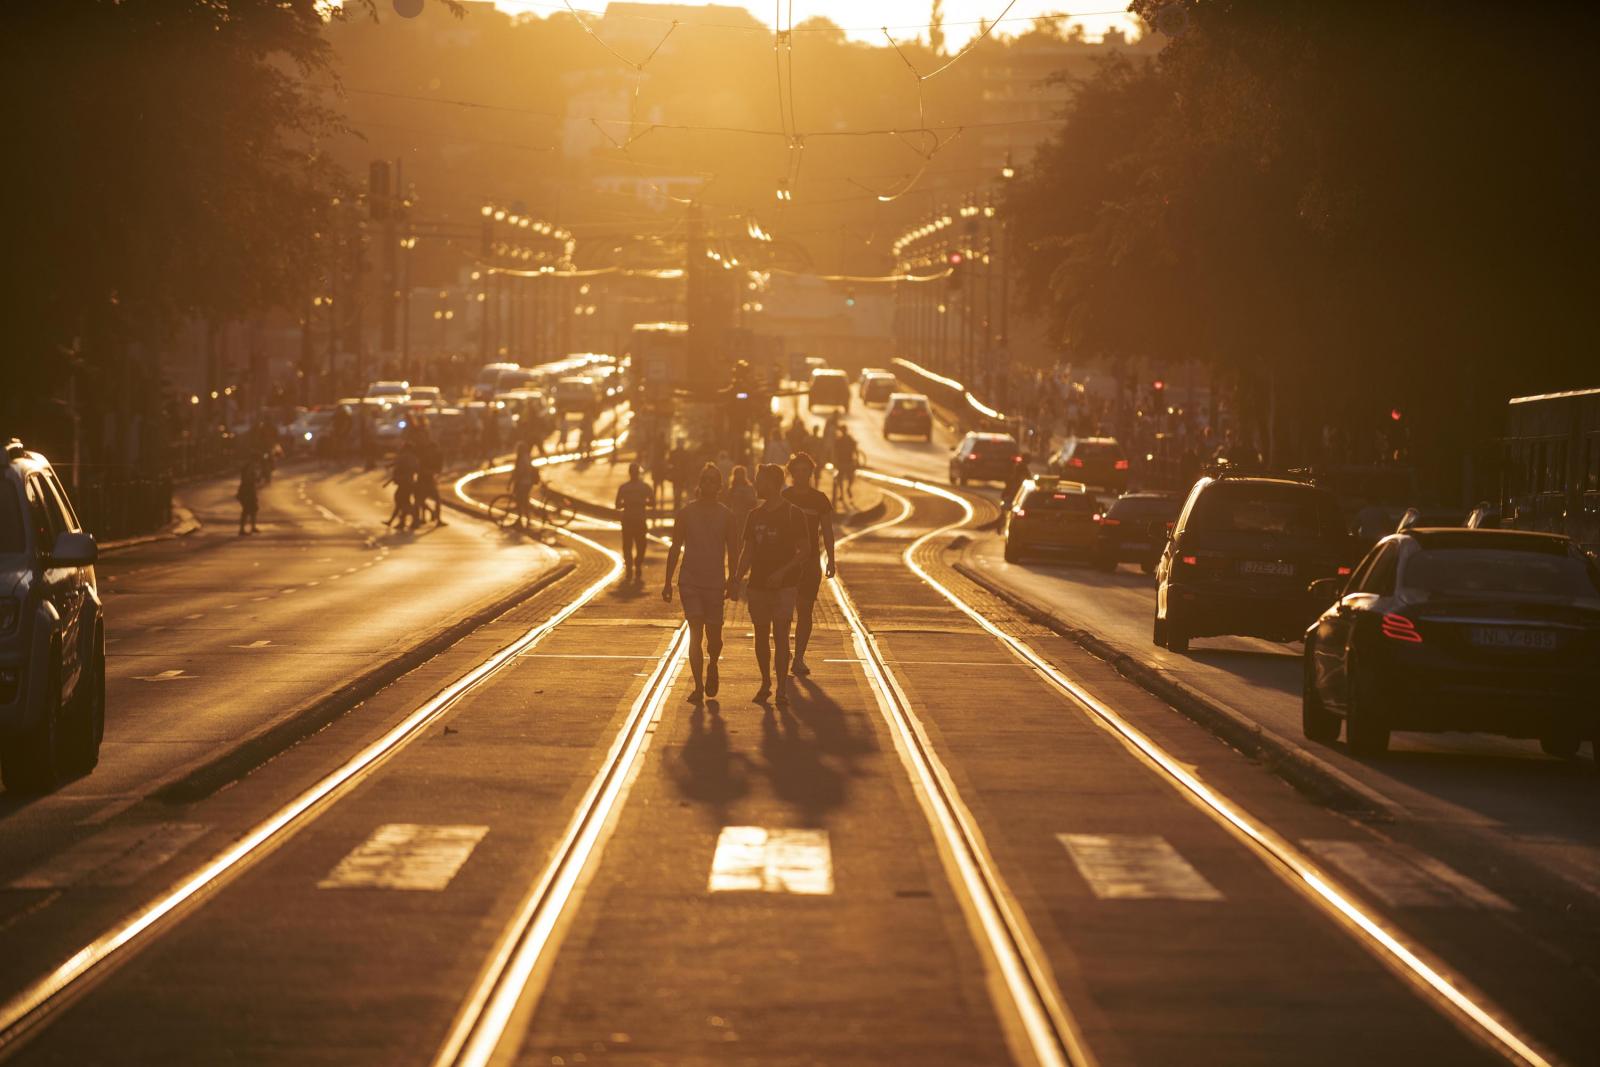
<point x="407" y="243"/>
<point x="1007" y="172"/>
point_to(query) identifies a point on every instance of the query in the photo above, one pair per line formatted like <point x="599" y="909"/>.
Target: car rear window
<point x="1144" y="508"/>
<point x="988" y="446"/>
<point x="1053" y="500"/>
<point x="1283" y="510"/>
<point x="1502" y="572"/>
<point x="1098" y="450"/>
<point x="12" y="534"/>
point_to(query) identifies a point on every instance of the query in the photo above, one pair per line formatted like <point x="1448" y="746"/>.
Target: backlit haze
<point x="905" y="19"/>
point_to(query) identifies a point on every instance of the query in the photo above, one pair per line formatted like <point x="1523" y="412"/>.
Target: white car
<point x="394" y="392"/>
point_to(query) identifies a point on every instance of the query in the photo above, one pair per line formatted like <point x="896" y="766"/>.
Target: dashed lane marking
<point x="259" y="643"/>
<point x="115" y="857"/>
<point x="754" y="859"/>
<point x="1136" y="867"/>
<point x="196" y="615"/>
<point x="405" y="855"/>
<point x="1403" y="878"/>
<point x="163" y="676"/>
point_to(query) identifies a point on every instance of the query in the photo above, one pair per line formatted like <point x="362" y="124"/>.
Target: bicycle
<point x="550" y="509"/>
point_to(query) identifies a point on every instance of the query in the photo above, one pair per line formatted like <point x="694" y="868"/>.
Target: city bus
<point x="1550" y="465"/>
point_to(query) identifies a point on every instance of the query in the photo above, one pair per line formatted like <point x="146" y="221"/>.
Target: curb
<point x="182" y="525"/>
<point x="1313" y="777"/>
<point x="266" y="744"/>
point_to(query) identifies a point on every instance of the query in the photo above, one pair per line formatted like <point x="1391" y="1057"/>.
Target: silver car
<point x="52" y="631"/>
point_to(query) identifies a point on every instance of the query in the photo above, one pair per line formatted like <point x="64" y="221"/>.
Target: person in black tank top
<point x="818" y="510"/>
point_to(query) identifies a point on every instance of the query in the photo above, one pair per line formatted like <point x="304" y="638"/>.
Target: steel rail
<point x="1035" y="1015"/>
<point x="516" y="969"/>
<point x="22" y="1014"/>
<point x="1473" y="1012"/>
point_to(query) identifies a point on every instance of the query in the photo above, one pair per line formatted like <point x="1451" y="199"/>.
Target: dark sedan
<point x="986" y="457"/>
<point x="1495" y="631"/>
<point x="1133" y="529"/>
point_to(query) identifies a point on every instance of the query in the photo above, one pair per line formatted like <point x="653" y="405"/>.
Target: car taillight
<point x="1189" y="561"/>
<point x="1400" y="628"/>
<point x="1344" y="572"/>
<point x="1107" y="520"/>
<point x="1016" y="459"/>
<point x="1120" y="465"/>
<point x="1021" y="513"/>
<point x="1075" y="461"/>
<point x="972" y="457"/>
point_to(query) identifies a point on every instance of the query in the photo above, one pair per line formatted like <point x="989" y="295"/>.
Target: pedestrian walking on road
<point x="705" y="537"/>
<point x="249" y="503"/>
<point x="774" y="551"/>
<point x="846" y="460"/>
<point x="818" y="511"/>
<point x="404" y="477"/>
<point x="740" y="497"/>
<point x="633" y="504"/>
<point x="429" y="462"/>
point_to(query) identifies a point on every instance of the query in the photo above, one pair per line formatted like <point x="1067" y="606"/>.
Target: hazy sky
<point x="905" y="18"/>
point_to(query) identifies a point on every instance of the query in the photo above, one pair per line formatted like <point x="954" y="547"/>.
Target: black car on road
<point x="1133" y="529"/>
<point x="1051" y="516"/>
<point x="52" y="631"/>
<point x="1092" y="460"/>
<point x="1243" y="552"/>
<point x="985" y="457"/>
<point x="1495" y="631"/>
<point x="908" y="415"/>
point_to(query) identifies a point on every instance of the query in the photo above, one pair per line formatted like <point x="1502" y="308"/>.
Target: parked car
<point x="908" y="414"/>
<point x="829" y="389"/>
<point x="1051" y="516"/>
<point x="1133" y="529"/>
<point x="1496" y="631"/>
<point x="985" y="457"/>
<point x="1093" y="461"/>
<point x="577" y="395"/>
<point x="52" y="631"/>
<point x="877" y="387"/>
<point x="489" y="380"/>
<point x="1241" y="557"/>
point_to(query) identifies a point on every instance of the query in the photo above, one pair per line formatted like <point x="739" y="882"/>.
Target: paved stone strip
<point x="117" y="856"/>
<point x="404" y="855"/>
<point x="1136" y="867"/>
<point x="754" y="859"/>
<point x="1403" y="878"/>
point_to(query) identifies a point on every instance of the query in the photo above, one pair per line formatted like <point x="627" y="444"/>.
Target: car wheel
<point x="1177" y="640"/>
<point x="1109" y="566"/>
<point x="88" y="713"/>
<point x="33" y="762"/>
<point x="1563" y="745"/>
<point x="1316" y="721"/>
<point x="1158" y="633"/>
<point x="1148" y="568"/>
<point x="1366" y="728"/>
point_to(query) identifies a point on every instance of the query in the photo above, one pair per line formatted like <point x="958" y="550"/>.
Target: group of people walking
<point x="415" y="476"/>
<point x="774" y="554"/>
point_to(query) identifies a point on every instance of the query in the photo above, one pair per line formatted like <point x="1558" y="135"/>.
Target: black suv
<point x="52" y="631"/>
<point x="1241" y="557"/>
<point x="986" y="457"/>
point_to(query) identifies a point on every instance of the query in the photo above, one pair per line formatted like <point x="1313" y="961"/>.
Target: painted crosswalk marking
<point x="1404" y="878"/>
<point x="117" y="856"/>
<point x="1135" y="867"/>
<point x="754" y="859"/>
<point x="405" y="855"/>
<point x="163" y="676"/>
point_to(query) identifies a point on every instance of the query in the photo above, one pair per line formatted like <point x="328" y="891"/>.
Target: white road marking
<point x="260" y="643"/>
<point x="229" y="607"/>
<point x="1403" y="878"/>
<point x="755" y="859"/>
<point x="164" y="676"/>
<point x="286" y="592"/>
<point x="258" y="598"/>
<point x="115" y="857"/>
<point x="334" y="577"/>
<point x="310" y="585"/>
<point x="1135" y="867"/>
<point x="196" y="615"/>
<point x="405" y="855"/>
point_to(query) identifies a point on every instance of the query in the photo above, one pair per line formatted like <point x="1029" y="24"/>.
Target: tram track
<point x="1470" y="1009"/>
<point x="27" y="1011"/>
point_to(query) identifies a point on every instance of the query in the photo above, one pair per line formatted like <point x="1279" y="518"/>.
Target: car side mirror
<point x="1324" y="591"/>
<point x="73" y="550"/>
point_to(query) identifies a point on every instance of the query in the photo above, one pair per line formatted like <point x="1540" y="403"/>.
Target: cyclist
<point x="524" y="479"/>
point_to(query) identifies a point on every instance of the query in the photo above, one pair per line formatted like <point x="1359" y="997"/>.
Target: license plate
<point x="1259" y="567"/>
<point x="1511" y="637"/>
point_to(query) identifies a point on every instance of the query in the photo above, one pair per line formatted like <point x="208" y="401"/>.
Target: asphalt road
<point x="214" y="636"/>
<point x="941" y="853"/>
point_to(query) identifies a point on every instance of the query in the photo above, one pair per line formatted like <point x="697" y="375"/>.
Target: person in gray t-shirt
<point x="705" y="538"/>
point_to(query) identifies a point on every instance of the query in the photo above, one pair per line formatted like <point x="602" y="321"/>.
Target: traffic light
<point x="957" y="264"/>
<point x="1158" y="385"/>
